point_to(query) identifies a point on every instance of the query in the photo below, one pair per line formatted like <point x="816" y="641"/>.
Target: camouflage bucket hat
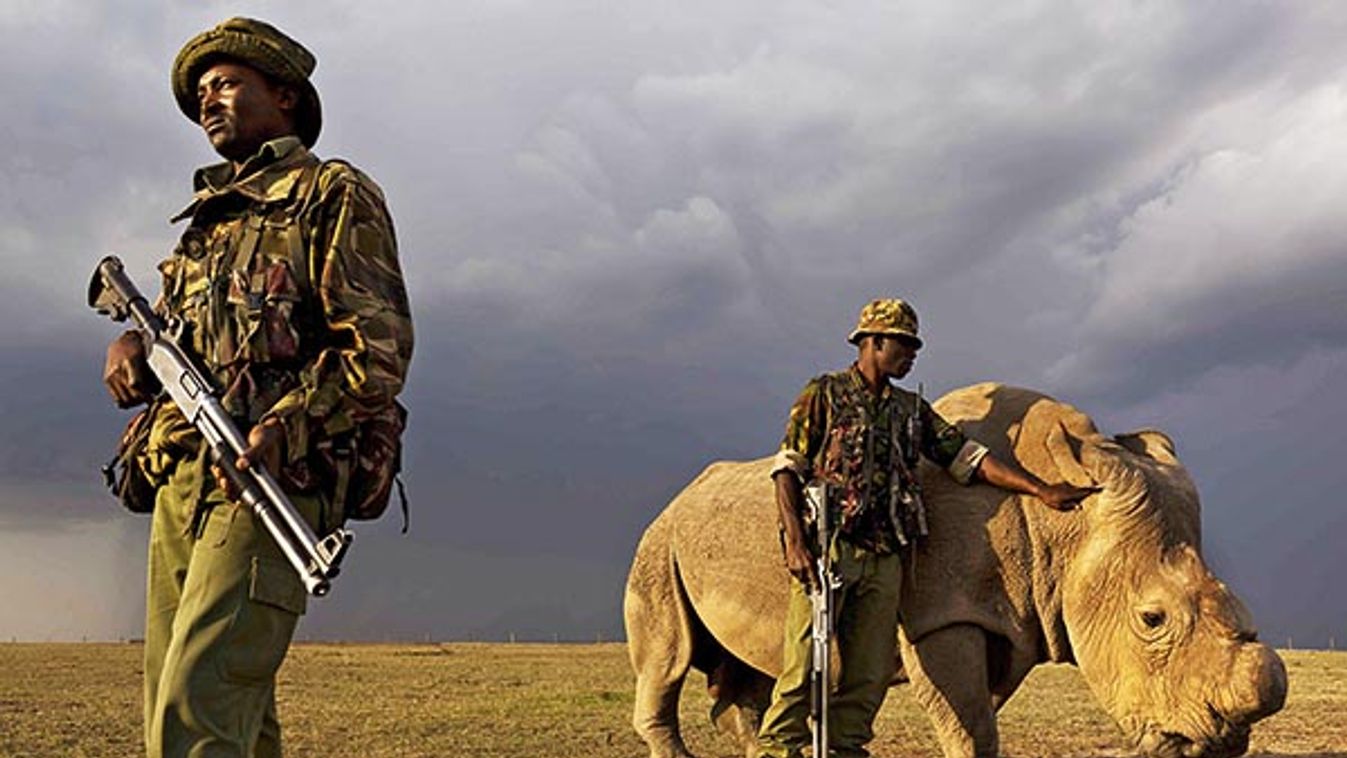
<point x="260" y="45"/>
<point x="889" y="316"/>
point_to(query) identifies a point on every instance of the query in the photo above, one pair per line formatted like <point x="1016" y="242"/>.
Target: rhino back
<point x="994" y="558"/>
<point x="729" y="558"/>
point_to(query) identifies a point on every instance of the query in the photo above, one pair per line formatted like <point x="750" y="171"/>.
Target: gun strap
<point x="868" y="468"/>
<point x="915" y="443"/>
<point x="913" y="450"/>
<point x="897" y="474"/>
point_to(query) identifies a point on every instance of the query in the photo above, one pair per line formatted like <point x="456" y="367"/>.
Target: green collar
<point x="266" y="177"/>
<point x="858" y="380"/>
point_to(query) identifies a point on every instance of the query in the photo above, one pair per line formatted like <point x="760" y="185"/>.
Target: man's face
<point x="241" y="109"/>
<point x="895" y="356"/>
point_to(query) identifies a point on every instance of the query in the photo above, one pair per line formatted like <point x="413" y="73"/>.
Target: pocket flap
<point x="276" y="583"/>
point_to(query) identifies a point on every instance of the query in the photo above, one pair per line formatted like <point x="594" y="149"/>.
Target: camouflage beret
<point x="888" y="316"/>
<point x="257" y="44"/>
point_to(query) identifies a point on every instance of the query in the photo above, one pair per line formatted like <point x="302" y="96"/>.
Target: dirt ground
<point x="550" y="701"/>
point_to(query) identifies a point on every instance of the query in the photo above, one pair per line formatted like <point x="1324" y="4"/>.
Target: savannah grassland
<point x="549" y="701"/>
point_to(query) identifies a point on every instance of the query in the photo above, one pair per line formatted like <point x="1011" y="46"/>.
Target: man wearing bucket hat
<point x="861" y="435"/>
<point x="287" y="283"/>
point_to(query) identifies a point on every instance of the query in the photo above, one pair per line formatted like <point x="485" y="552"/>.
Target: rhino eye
<point x="1153" y="619"/>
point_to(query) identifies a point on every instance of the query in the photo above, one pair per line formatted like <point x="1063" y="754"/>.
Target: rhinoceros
<point x="1117" y="587"/>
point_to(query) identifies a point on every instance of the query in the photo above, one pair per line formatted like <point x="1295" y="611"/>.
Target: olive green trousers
<point x="866" y="626"/>
<point x="221" y="607"/>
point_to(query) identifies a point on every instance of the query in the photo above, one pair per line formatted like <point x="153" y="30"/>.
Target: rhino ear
<point x="1151" y="443"/>
<point x="1068" y="454"/>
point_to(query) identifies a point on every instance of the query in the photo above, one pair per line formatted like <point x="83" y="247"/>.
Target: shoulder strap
<point x="300" y="262"/>
<point x="306" y="192"/>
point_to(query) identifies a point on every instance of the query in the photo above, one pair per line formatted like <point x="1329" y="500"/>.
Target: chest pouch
<point x="264" y="296"/>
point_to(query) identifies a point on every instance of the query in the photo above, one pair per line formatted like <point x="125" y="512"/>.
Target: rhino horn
<point x="1260" y="679"/>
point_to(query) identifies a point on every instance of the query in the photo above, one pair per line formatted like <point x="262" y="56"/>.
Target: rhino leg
<point x="740" y="694"/>
<point x="659" y="641"/>
<point x="948" y="670"/>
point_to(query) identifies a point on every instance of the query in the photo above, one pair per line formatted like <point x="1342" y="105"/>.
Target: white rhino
<point x="1003" y="583"/>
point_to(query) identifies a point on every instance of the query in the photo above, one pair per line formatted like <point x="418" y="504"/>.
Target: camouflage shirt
<point x="287" y="283"/>
<point x="861" y="445"/>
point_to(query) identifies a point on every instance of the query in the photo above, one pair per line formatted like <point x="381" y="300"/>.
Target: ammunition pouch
<point x="360" y="468"/>
<point x="125" y="474"/>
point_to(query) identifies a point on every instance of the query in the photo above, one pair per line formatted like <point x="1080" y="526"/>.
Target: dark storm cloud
<point x="632" y="233"/>
<point x="1236" y="261"/>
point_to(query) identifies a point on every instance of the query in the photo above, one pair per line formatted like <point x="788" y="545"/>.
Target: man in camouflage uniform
<point x="288" y="284"/>
<point x="851" y="430"/>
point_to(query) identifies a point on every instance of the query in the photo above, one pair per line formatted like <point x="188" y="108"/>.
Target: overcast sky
<point x="632" y="231"/>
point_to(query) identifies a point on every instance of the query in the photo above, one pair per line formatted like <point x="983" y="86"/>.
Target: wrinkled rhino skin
<point x="1003" y="583"/>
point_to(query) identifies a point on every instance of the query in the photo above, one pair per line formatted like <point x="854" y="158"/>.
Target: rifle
<point x="821" y="619"/>
<point x="112" y="294"/>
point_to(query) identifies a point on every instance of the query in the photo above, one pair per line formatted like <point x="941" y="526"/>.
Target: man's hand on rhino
<point x="1064" y="496"/>
<point x="266" y="442"/>
<point x="125" y="372"/>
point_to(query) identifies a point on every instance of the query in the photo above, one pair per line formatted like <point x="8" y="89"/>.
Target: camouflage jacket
<point x="863" y="447"/>
<point x="287" y="283"/>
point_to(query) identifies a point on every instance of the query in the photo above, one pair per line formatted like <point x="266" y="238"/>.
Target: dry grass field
<point x="548" y="701"/>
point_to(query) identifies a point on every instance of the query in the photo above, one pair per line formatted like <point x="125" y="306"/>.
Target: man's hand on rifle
<point x="266" y="442"/>
<point x="126" y="374"/>
<point x="800" y="564"/>
<point x="790" y="504"/>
